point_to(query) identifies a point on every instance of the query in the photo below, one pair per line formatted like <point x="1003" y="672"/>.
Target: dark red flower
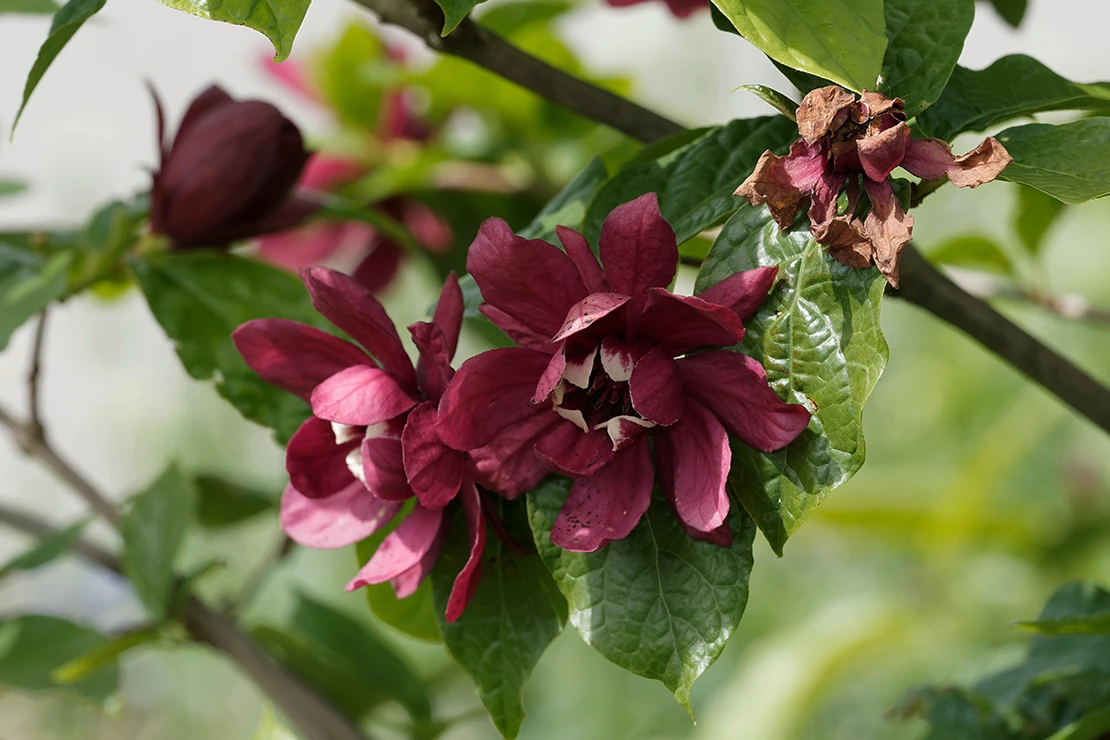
<point x="608" y="360"/>
<point x="229" y="173"/>
<point x="681" y="8"/>
<point x="844" y="142"/>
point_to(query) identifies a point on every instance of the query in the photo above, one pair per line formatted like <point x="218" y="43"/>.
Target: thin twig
<point x="34" y="424"/>
<point x="261" y="574"/>
<point x="36" y="528"/>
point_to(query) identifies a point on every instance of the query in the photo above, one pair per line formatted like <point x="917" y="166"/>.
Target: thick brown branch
<point x="486" y="49"/>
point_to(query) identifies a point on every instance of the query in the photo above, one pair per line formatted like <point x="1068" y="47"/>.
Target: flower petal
<point x="294" y="356"/>
<point x="743" y="292"/>
<point x="607" y="506"/>
<point x="403" y="549"/>
<point x="380" y="265"/>
<point x="509" y="464"/>
<point x="514" y="330"/>
<point x="490" y="392"/>
<point x="434" y="470"/>
<point x="735" y="387"/>
<point x="784" y="183"/>
<point x="383" y="467"/>
<point x="405" y="585"/>
<point x="578" y="249"/>
<point x="315" y="463"/>
<point x="448" y="315"/>
<point x="532" y="281"/>
<point x="350" y="515"/>
<point x="311" y="244"/>
<point x="881" y="153"/>
<point x="931" y="159"/>
<point x="433" y="369"/>
<point x="467" y="579"/>
<point x="637" y="247"/>
<point x="360" y="395"/>
<point x="619" y="356"/>
<point x="888" y="227"/>
<point x="569" y="451"/>
<point x="697" y="464"/>
<point x="823" y="199"/>
<point x="656" y="388"/>
<point x="664" y="470"/>
<point x="823" y="110"/>
<point x="625" y="430"/>
<point x="552" y="376"/>
<point x="580" y="364"/>
<point x="588" y="311"/>
<point x="686" y="323"/>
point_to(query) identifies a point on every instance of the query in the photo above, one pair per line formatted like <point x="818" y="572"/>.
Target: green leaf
<point x="657" y="603"/>
<point x="29" y="281"/>
<point x="1070" y="162"/>
<point x="781" y="102"/>
<point x="67" y="21"/>
<point x="974" y="252"/>
<point x="514" y="614"/>
<point x="721" y="21"/>
<point x="1036" y="212"/>
<point x="11" y="187"/>
<point x="99" y="247"/>
<point x="222" y="503"/>
<point x="1093" y="726"/>
<point x="200" y="298"/>
<point x="818" y="337"/>
<point x="414" y="615"/>
<point x="696" y="181"/>
<point x="924" y="41"/>
<point x="508" y="18"/>
<point x="1012" y="87"/>
<point x="153" y="528"/>
<point x="277" y="20"/>
<point x="1012" y="11"/>
<point x="842" y="40"/>
<point x="454" y="11"/>
<point x="804" y="81"/>
<point x="955" y="714"/>
<point x="32" y="647"/>
<point x="568" y="208"/>
<point x="35" y="7"/>
<point x="1094" y="624"/>
<point x="364" y="654"/>
<point x="353" y="74"/>
<point x="47" y="549"/>
<point x="104" y="656"/>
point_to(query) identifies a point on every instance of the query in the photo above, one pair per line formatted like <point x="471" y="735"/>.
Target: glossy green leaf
<point x="781" y="102"/>
<point x="973" y="252"/>
<point x="277" y="20"/>
<point x="222" y="503"/>
<point x="1011" y="87"/>
<point x="696" y="181"/>
<point x="1036" y="212"/>
<point x="66" y="23"/>
<point x="804" y="81"/>
<point x="47" y="549"/>
<point x="454" y="11"/>
<point x="34" y="7"/>
<point x="818" y="336"/>
<point x="657" y="603"/>
<point x="1070" y="162"/>
<point x="33" y="647"/>
<point x="568" y="208"/>
<point x="414" y="615"/>
<point x="514" y="614"/>
<point x="1012" y="11"/>
<point x="104" y="656"/>
<point x="29" y="281"/>
<point x="200" y="298"/>
<point x="924" y="41"/>
<point x="363" y="653"/>
<point x="721" y="21"/>
<point x="153" y="528"/>
<point x="842" y="40"/>
<point x="11" y="187"/>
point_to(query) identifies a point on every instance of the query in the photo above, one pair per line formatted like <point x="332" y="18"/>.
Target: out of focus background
<point x="980" y="496"/>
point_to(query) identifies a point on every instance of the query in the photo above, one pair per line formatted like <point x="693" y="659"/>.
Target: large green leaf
<point x="1013" y="86"/>
<point x="66" y="23"/>
<point x="35" y="7"/>
<point x="695" y="181"/>
<point x="454" y="11"/>
<point x="277" y="20"/>
<point x="568" y="208"/>
<point x="657" y="603"/>
<point x="818" y="337"/>
<point x="924" y="41"/>
<point x="222" y="503"/>
<point x="29" y="281"/>
<point x="33" y="647"/>
<point x="514" y="614"/>
<point x="842" y="40"/>
<point x="200" y="298"/>
<point x="1070" y="162"/>
<point x="47" y="549"/>
<point x="153" y="528"/>
<point x="1036" y="212"/>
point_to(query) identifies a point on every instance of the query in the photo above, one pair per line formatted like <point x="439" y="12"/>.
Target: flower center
<point x="598" y="401"/>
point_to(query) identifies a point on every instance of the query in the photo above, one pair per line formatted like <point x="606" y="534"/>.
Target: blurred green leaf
<point x="34" y="7"/>
<point x="414" y="615"/>
<point x="514" y="614"/>
<point x="1036" y="212"/>
<point x="111" y="232"/>
<point x="657" y="603"/>
<point x="66" y="23"/>
<point x="47" y="549"/>
<point x="956" y="714"/>
<point x="29" y="281"/>
<point x="924" y="41"/>
<point x="1070" y="162"/>
<point x="842" y="40"/>
<point x="696" y="181"/>
<point x="353" y="75"/>
<point x="11" y="187"/>
<point x="103" y="656"/>
<point x="277" y="20"/>
<point x="221" y="503"/>
<point x="200" y="298"/>
<point x="1094" y="624"/>
<point x="1014" y="86"/>
<point x="153" y="527"/>
<point x="454" y="11"/>
<point x="568" y="208"/>
<point x="508" y="18"/>
<point x="32" y="647"/>
<point x="781" y="102"/>
<point x="1012" y="11"/>
<point x="974" y="252"/>
<point x="818" y="336"/>
<point x="1093" y="726"/>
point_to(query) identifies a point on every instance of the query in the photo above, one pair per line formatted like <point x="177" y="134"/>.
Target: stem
<point x="254" y="583"/>
<point x="30" y="525"/>
<point x="34" y="425"/>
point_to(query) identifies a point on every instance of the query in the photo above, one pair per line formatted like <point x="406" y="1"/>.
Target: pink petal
<point x="434" y="470"/>
<point x="311" y="244"/>
<point x="687" y="323"/>
<point x="383" y="467"/>
<point x="637" y="247"/>
<point x="405" y="585"/>
<point x="449" y="313"/>
<point x="532" y="281"/>
<point x="509" y="464"/>
<point x="697" y="464"/>
<point x="569" y="451"/>
<point x="490" y="392"/>
<point x="403" y="549"/>
<point x="433" y="369"/>
<point x="552" y="376"/>
<point x="294" y="356"/>
<point x="377" y="269"/>
<point x="360" y="395"/>
<point x="467" y="579"/>
<point x="619" y="356"/>
<point x="350" y="515"/>
<point x="316" y="465"/>
<point x="588" y="311"/>
<point x="513" y="329"/>
<point x="607" y="506"/>
<point x="881" y="153"/>
<point x="664" y="470"/>
<point x="735" y="387"/>
<point x="931" y="159"/>
<point x="624" y="431"/>
<point x="656" y="388"/>
<point x="743" y="292"/>
<point x="353" y="308"/>
<point x="578" y="249"/>
<point x="825" y="195"/>
<point x="328" y="173"/>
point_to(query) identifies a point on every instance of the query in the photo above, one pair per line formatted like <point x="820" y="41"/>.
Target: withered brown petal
<point x="931" y="159"/>
<point x="888" y="227"/>
<point x="784" y="183"/>
<point x="823" y="110"/>
<point x="873" y="104"/>
<point x="846" y="239"/>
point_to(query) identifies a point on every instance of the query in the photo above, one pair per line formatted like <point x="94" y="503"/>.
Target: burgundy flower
<point x="371" y="443"/>
<point x="681" y="8"/>
<point x="229" y="173"/>
<point x="846" y="141"/>
<point x="608" y="360"/>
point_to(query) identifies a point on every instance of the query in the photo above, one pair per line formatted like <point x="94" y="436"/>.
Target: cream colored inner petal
<point x="574" y="416"/>
<point x="579" y="373"/>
